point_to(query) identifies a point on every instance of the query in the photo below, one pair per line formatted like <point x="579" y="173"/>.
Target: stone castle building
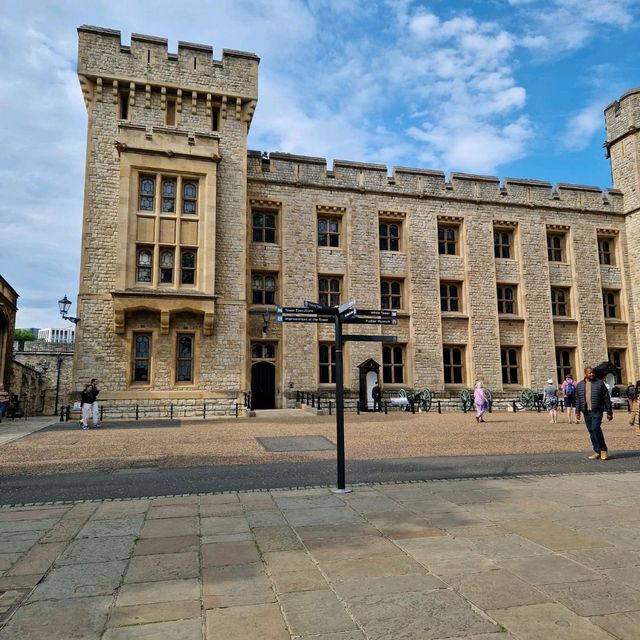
<point x="190" y="241"/>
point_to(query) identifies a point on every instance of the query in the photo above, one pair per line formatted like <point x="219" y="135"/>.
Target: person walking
<point x="550" y="400"/>
<point x="4" y="401"/>
<point x="592" y="400"/>
<point x="376" y="394"/>
<point x="634" y="418"/>
<point x="481" y="401"/>
<point x="95" y="409"/>
<point x="86" y="402"/>
<point x="569" y="397"/>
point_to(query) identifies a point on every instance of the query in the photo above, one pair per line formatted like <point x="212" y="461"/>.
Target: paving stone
<point x="176" y="544"/>
<point x="188" y="510"/>
<point x="223" y="524"/>
<point x="159" y="612"/>
<point x="257" y="501"/>
<point x="219" y="510"/>
<point x="435" y="546"/>
<point x="80" y="580"/>
<point x="402" y="525"/>
<point x="111" y="510"/>
<point x="340" y="635"/>
<point x="168" y="500"/>
<point x="607" y="558"/>
<point x="323" y="516"/>
<point x="83" y="618"/>
<point x="548" y="569"/>
<point x="358" y="568"/>
<point x="89" y="550"/>
<point x="434" y="505"/>
<point x="265" y="519"/>
<point x="289" y="581"/>
<point x="496" y="589"/>
<point x="618" y="536"/>
<point x="117" y="527"/>
<point x="627" y="575"/>
<point x="20" y="582"/>
<point x="263" y="621"/>
<point x="170" y="527"/>
<point x="7" y="560"/>
<point x="235" y="585"/>
<point x="228" y="537"/>
<point x="496" y="511"/>
<point x="360" y="547"/>
<point x="476" y="530"/>
<point x="81" y="511"/>
<point x="64" y="531"/>
<point x="225" y="498"/>
<point x="153" y="592"/>
<point x="418" y="616"/>
<point x="541" y="621"/>
<point x="623" y="626"/>
<point x="33" y="514"/>
<point x="38" y="559"/>
<point x="509" y="545"/>
<point x="18" y="541"/>
<point x="14" y="526"/>
<point x="458" y="519"/>
<point x="288" y="561"/>
<point x="227" y="553"/>
<point x="175" y="630"/>
<point x="313" y="501"/>
<point x="553" y="536"/>
<point x="315" y="612"/>
<point x="594" y="597"/>
<point x="375" y="504"/>
<point x="165" y="566"/>
<point x="276" y="539"/>
<point x="333" y="530"/>
<point x="486" y="636"/>
<point x="453" y="565"/>
<point x="389" y="584"/>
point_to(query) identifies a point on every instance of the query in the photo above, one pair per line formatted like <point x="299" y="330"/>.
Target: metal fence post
<point x="358" y="407"/>
<point x="515" y="407"/>
<point x="439" y="407"/>
<point x="385" y="408"/>
<point x="136" y="412"/>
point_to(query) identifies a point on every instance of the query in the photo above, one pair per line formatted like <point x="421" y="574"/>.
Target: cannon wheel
<point x="402" y="393"/>
<point x="466" y="401"/>
<point x="527" y="398"/>
<point x="489" y="394"/>
<point x="426" y="399"/>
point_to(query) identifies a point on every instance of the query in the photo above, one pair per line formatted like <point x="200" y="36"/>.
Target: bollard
<point x="439" y="407"/>
<point x="170" y="412"/>
<point x="358" y="407"/>
<point x="204" y="411"/>
<point x="62" y="414"/>
<point x="313" y="400"/>
<point x="136" y="412"/>
<point x="101" y="412"/>
<point x="297" y="395"/>
<point x="318" y="405"/>
<point x="513" y="404"/>
<point x="329" y="407"/>
<point x="385" y="408"/>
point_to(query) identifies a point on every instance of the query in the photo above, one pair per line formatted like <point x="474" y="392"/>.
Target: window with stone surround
<point x="617" y="357"/>
<point x="510" y="362"/>
<point x="264" y="224"/>
<point x="503" y="243"/>
<point x="329" y="227"/>
<point x="453" y="363"/>
<point x="606" y="250"/>
<point x="448" y="239"/>
<point x="123" y="104"/>
<point x="451" y="296"/>
<point x="611" y="303"/>
<point x="184" y="358"/>
<point x="393" y="358"/>
<point x="390" y="234"/>
<point x="556" y="247"/>
<point x="327" y="362"/>
<point x="176" y="193"/>
<point x="329" y="290"/>
<point x="263" y="351"/>
<point x="560" y="302"/>
<point x="187" y="267"/>
<point x="144" y="262"/>
<point x="390" y="293"/>
<point x="263" y="288"/>
<point x="170" y="112"/>
<point x="565" y="362"/>
<point x="507" y="295"/>
<point x="141" y="357"/>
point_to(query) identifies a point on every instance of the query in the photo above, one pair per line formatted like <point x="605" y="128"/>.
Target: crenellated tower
<point x="164" y="226"/>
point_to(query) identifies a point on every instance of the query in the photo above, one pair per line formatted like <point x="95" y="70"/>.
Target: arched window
<point x="145" y="264"/>
<point x="189" y="198"/>
<point x="166" y="266"/>
<point x="188" y="267"/>
<point x="184" y="366"/>
<point x="142" y="357"/>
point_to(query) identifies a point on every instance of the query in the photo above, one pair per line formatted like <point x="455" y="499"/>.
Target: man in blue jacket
<point x="592" y="400"/>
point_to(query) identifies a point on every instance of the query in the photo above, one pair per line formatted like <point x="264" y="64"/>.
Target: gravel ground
<point x="233" y="441"/>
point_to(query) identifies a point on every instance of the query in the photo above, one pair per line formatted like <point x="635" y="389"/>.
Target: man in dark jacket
<point x="592" y="399"/>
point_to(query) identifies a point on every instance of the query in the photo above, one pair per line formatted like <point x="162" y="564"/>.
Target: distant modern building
<point x="66" y="336"/>
<point x="191" y="241"/>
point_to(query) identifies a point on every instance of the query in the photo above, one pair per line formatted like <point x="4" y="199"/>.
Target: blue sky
<point x="501" y="87"/>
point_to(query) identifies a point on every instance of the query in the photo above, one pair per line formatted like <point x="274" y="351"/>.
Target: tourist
<point x="481" y="401"/>
<point x="635" y="408"/>
<point x="86" y="402"/>
<point x="4" y="401"/>
<point x="550" y="400"/>
<point x="569" y="397"/>
<point x="95" y="410"/>
<point x="592" y="400"/>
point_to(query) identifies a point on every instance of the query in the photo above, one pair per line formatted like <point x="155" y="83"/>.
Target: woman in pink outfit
<point x="481" y="401"/>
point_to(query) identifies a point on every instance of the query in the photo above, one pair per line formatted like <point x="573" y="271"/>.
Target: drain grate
<point x="296" y="443"/>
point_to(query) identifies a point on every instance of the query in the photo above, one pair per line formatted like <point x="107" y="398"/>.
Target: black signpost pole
<point x="341" y="488"/>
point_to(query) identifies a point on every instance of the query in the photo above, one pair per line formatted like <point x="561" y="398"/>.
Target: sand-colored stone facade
<point x="189" y="239"/>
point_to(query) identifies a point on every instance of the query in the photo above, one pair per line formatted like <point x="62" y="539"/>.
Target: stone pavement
<point x="11" y="430"/>
<point x="523" y="558"/>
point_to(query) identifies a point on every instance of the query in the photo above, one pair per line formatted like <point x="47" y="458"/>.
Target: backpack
<point x="570" y="388"/>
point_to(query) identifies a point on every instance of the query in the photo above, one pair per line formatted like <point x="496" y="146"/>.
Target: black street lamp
<point x="64" y="305"/>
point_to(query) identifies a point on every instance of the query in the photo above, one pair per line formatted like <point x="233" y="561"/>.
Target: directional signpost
<point x="313" y="312"/>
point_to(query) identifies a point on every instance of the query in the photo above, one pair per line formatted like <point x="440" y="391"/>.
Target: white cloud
<point x="582" y="126"/>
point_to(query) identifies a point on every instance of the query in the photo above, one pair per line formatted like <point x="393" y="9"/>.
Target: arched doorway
<point x="263" y="385"/>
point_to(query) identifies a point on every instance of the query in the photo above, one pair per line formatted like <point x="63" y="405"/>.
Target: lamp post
<point x="58" y="383"/>
<point x="64" y="306"/>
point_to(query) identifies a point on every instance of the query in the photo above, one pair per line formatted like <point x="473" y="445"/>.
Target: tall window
<point x="169" y="195"/>
<point x="264" y="226"/>
<point x="327" y="362"/>
<point x="123" y="104"/>
<point x="169" y="187"/>
<point x="617" y="359"/>
<point x="263" y="288"/>
<point x="393" y="365"/>
<point x="606" y="246"/>
<point x="329" y="231"/>
<point x="389" y="236"/>
<point x="141" y="357"/>
<point x="166" y="266"/>
<point x="188" y="267"/>
<point x="450" y="296"/>
<point x="453" y="361"/>
<point x="564" y="362"/>
<point x="447" y="240"/>
<point x="555" y="247"/>
<point x="189" y="198"/>
<point x="502" y="243"/>
<point x="391" y="294"/>
<point x="184" y="365"/>
<point x="610" y="303"/>
<point x="506" y="294"/>
<point x="510" y="360"/>
<point x="329" y="291"/>
<point x="145" y="265"/>
<point x="147" y="193"/>
<point x="560" y="302"/>
<point x="170" y="113"/>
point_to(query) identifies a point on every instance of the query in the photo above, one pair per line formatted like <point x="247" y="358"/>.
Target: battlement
<point x="299" y="171"/>
<point x="622" y="116"/>
<point x="147" y="60"/>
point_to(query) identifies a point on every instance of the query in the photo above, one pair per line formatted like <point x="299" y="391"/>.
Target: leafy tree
<point x="22" y="336"/>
